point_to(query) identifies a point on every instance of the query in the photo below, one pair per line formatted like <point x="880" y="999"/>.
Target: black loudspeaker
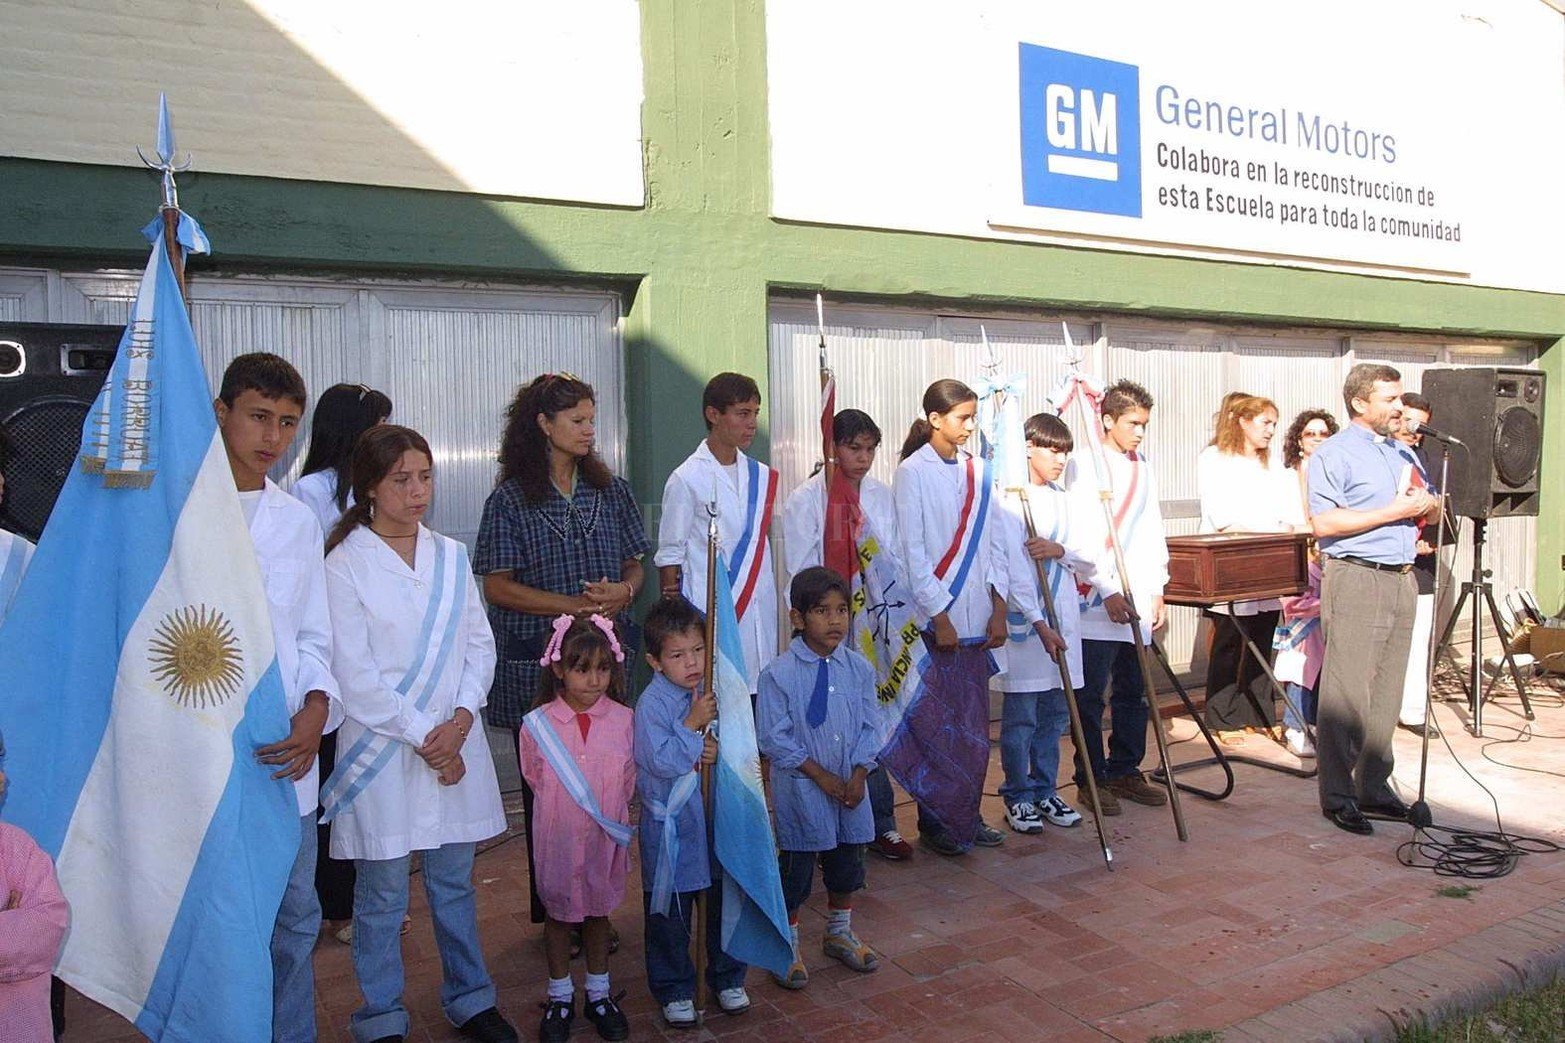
<point x="49" y="376"/>
<point x="1498" y="413"/>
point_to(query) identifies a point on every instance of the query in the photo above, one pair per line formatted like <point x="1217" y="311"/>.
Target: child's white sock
<point x="597" y="987"/>
<point x="793" y="932"/>
<point x="839" y="921"/>
<point x="561" y="990"/>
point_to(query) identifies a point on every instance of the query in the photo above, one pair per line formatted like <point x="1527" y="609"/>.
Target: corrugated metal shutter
<point x="450" y="357"/>
<point x="884" y="357"/>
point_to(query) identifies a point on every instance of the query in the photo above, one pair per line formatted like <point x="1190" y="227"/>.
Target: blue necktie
<point x="816" y="713"/>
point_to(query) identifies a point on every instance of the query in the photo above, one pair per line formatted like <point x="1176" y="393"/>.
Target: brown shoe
<point x="1137" y="788"/>
<point x="1110" y="802"/>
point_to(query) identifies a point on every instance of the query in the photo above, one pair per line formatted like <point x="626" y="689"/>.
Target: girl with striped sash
<point x="413" y="655"/>
<point x="576" y="751"/>
<point x="954" y="558"/>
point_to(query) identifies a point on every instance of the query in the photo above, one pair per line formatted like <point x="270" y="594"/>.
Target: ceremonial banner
<point x="755" y="918"/>
<point x="940" y="749"/>
<point x="140" y="679"/>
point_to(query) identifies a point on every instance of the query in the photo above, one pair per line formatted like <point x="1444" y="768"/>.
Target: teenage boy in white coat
<point x="258" y="409"/>
<point x="745" y="491"/>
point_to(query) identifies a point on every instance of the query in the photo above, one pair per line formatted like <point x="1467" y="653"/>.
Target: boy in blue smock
<point x="672" y="738"/>
<point x="818" y="722"/>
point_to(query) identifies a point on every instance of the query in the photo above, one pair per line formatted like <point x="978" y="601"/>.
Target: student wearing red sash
<point x="1107" y="651"/>
<point x="745" y="492"/>
<point x="943" y="498"/>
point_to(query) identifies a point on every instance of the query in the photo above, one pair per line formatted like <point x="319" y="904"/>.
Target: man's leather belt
<point x="1376" y="565"/>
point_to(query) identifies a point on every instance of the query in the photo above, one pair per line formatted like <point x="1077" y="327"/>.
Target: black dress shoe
<point x="1429" y="728"/>
<point x="609" y="1019"/>
<point x="1350" y="818"/>
<point x="388" y="1039"/>
<point x="487" y="1026"/>
<point x="1392" y="808"/>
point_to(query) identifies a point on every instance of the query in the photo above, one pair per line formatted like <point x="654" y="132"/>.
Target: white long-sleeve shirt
<point x="1241" y="494"/>
<point x="1029" y="668"/>
<point x="929" y="492"/>
<point x="1140" y="528"/>
<point x="318" y="491"/>
<point x="804" y="523"/>
<point x="377" y="610"/>
<point x="288" y="548"/>
<point x="682" y="542"/>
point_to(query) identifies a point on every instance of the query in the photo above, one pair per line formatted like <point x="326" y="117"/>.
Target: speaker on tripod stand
<point x="49" y="376"/>
<point x="1496" y="416"/>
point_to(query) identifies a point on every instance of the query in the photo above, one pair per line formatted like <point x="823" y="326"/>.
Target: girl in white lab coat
<point x="414" y="656"/>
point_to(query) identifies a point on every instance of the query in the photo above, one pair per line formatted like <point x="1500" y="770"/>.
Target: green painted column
<point x="1549" y="584"/>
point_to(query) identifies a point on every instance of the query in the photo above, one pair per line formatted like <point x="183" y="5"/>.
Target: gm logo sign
<point x="1081" y="132"/>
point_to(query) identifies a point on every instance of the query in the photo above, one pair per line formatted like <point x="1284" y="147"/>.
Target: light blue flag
<point x="140" y="679"/>
<point x="755" y="918"/>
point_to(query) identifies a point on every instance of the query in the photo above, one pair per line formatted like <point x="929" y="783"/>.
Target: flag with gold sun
<point x="140" y="678"/>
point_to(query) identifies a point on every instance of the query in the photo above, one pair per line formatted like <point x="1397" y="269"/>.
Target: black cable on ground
<point x="1471" y="854"/>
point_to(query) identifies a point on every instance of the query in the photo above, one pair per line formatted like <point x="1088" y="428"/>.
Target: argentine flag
<point x="755" y="918"/>
<point x="139" y="680"/>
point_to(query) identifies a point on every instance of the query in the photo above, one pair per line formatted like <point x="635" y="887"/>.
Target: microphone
<point x="1416" y="427"/>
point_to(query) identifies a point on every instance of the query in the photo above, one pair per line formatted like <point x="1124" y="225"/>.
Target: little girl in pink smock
<point x="33" y="916"/>
<point x="576" y="751"/>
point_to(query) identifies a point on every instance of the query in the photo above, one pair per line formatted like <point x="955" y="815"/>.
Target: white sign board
<point x="1401" y="138"/>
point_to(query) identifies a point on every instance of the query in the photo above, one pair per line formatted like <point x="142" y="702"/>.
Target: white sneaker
<point x="681" y="1014"/>
<point x="734" y="1000"/>
<point x="1023" y="817"/>
<point x="1059" y="813"/>
<point x="1299" y="743"/>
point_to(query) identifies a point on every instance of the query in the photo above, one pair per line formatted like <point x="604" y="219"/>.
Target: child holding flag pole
<point x="1099" y="428"/>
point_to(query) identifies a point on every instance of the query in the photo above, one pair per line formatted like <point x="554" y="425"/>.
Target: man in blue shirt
<point x="1365" y="506"/>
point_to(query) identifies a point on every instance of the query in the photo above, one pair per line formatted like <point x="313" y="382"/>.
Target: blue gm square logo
<point x="1081" y="132"/>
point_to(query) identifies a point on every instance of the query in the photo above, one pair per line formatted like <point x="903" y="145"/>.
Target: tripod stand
<point x="1482" y="593"/>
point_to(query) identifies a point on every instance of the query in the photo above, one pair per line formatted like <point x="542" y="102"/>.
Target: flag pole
<point x="1094" y="435"/>
<point x="710" y="673"/>
<point x="168" y="164"/>
<point x="828" y="443"/>
<point x="1078" y="734"/>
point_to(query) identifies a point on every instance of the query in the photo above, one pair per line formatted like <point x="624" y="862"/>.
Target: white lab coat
<point x="1241" y="494"/>
<point x="318" y="491"/>
<point x="682" y="542"/>
<point x="377" y="611"/>
<point x="1141" y="537"/>
<point x="928" y="493"/>
<point x="288" y="549"/>
<point x="1028" y="667"/>
<point x="804" y="524"/>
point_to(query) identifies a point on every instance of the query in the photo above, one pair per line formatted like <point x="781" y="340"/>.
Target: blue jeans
<point x="380" y="898"/>
<point x="670" y="973"/>
<point x="1304" y="699"/>
<point x="882" y="801"/>
<point x="1031" y="725"/>
<point x="1112" y="665"/>
<point x="293" y="943"/>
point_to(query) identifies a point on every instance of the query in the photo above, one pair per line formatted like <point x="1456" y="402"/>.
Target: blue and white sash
<point x="566" y="770"/>
<point x="668" y="850"/>
<point x="370" y="754"/>
<point x="1059" y="532"/>
<point x="1294" y="633"/>
<point x="957" y="562"/>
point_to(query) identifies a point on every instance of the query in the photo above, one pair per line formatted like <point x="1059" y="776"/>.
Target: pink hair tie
<point x="551" y="654"/>
<point x="607" y="626"/>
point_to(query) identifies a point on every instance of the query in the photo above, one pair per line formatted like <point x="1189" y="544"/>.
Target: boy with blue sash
<point x="672" y="739"/>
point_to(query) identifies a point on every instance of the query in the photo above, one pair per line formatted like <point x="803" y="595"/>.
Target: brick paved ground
<point x="1268" y="923"/>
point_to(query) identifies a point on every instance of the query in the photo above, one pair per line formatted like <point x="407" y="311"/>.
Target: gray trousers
<point x="1367" y="616"/>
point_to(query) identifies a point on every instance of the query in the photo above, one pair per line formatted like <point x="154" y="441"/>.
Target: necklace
<point x="387" y="536"/>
